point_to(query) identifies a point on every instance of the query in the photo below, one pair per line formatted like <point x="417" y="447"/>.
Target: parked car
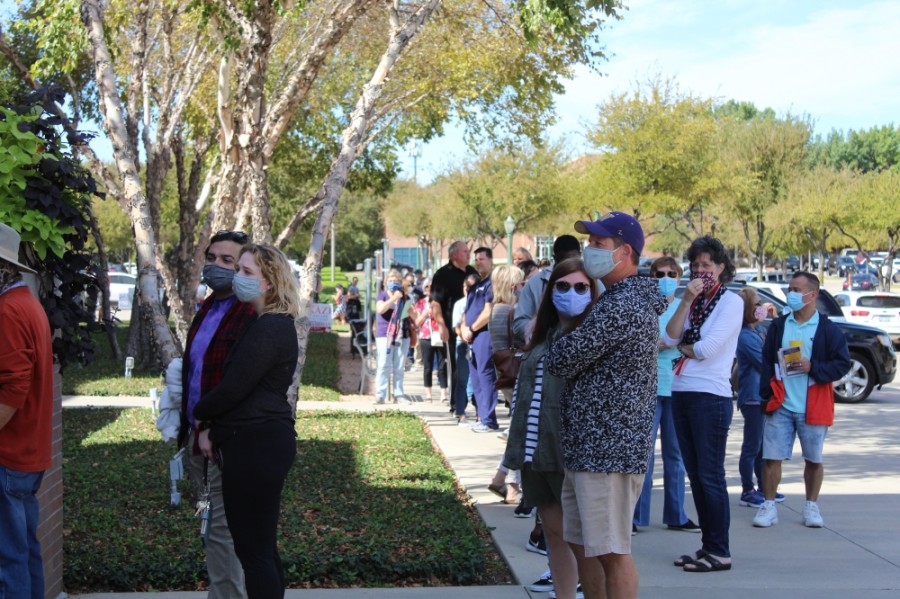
<point x="776" y="288"/>
<point x="863" y="281"/>
<point x="121" y="284"/>
<point x="876" y="309"/>
<point x="845" y="264"/>
<point x="792" y="263"/>
<point x="872" y="356"/>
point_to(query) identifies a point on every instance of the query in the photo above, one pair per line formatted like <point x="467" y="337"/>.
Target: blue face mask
<point x="392" y="287"/>
<point x="218" y="277"/>
<point x="570" y="303"/>
<point x="598" y="262"/>
<point x="795" y="300"/>
<point x="667" y="286"/>
<point x="246" y="288"/>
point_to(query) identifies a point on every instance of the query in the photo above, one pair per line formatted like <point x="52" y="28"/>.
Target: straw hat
<point x="9" y="248"/>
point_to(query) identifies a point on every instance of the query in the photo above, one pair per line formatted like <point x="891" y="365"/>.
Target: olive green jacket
<point x="548" y="453"/>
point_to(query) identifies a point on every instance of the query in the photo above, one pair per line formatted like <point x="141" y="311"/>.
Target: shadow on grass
<point x="367" y="503"/>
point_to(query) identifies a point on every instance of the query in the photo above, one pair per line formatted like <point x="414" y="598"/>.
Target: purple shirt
<point x="382" y="320"/>
<point x="199" y="345"/>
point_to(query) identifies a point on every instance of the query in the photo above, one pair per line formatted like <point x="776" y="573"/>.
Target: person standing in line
<point x="26" y="422"/>
<point x="667" y="273"/>
<point x="534" y="443"/>
<point x="521" y="255"/>
<point x="474" y="329"/>
<point x="214" y="331"/>
<point x="705" y="329"/>
<point x="461" y="390"/>
<point x="354" y="305"/>
<point x="246" y="423"/>
<point x="607" y="406"/>
<point x="390" y="305"/>
<point x="425" y="326"/>
<point x="446" y="289"/>
<point x="565" y="246"/>
<point x="799" y="403"/>
<point x="749" y="366"/>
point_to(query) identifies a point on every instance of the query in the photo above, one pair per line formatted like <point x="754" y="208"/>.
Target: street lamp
<point x="510" y="225"/>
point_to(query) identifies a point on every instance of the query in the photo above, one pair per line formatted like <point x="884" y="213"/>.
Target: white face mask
<point x="598" y="262"/>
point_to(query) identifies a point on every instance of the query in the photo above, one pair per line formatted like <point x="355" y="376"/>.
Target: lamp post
<point x="415" y="152"/>
<point x="510" y="225"/>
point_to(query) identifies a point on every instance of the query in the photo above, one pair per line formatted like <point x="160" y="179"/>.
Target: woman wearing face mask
<point x="667" y="273"/>
<point x="390" y="310"/>
<point x="749" y="367"/>
<point x="246" y="422"/>
<point x="705" y="329"/>
<point x="534" y="444"/>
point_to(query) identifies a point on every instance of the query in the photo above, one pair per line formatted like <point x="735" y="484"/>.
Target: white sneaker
<point x="766" y="516"/>
<point x="811" y="516"/>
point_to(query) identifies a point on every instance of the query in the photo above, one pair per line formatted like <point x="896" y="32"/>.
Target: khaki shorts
<point x="597" y="510"/>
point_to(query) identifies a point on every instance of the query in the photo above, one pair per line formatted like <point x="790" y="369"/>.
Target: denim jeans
<point x="462" y="384"/>
<point x="21" y="568"/>
<point x="750" y="462"/>
<point x="673" y="470"/>
<point x="701" y="423"/>
<point x="387" y="364"/>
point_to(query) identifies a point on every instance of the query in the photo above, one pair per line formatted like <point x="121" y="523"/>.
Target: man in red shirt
<point x="26" y="414"/>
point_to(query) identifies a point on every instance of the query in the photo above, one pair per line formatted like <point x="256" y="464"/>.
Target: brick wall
<point x="50" y="531"/>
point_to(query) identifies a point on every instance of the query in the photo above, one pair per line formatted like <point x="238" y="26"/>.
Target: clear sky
<point x="837" y="62"/>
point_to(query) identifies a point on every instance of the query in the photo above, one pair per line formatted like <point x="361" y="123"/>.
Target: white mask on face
<point x="598" y="262"/>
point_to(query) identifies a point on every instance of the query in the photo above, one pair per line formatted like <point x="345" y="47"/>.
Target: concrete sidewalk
<point x="857" y="555"/>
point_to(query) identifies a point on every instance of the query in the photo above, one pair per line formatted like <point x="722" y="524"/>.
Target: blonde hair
<point x="392" y="274"/>
<point x="505" y="279"/>
<point x="283" y="297"/>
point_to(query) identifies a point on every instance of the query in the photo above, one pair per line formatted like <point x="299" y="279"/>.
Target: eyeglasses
<point x="580" y="288"/>
<point x="659" y="274"/>
<point x="235" y="236"/>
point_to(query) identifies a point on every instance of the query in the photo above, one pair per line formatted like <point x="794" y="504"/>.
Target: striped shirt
<point x="534" y="412"/>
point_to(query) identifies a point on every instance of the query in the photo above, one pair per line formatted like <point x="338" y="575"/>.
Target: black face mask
<point x="218" y="277"/>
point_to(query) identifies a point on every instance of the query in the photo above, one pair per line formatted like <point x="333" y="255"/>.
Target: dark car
<point x="874" y="362"/>
<point x="860" y="282"/>
<point x="792" y="263"/>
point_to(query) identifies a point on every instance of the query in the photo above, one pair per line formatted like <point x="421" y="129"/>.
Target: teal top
<point x="664" y="358"/>
<point x="795" y="386"/>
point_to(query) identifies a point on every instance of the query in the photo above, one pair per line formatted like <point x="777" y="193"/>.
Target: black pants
<point x="255" y="462"/>
<point x="428" y="353"/>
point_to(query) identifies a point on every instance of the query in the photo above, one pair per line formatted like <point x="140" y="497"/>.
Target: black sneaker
<point x="634" y="529"/>
<point x="688" y="526"/>
<point x="544" y="584"/>
<point x="523" y="511"/>
<point x="538" y="545"/>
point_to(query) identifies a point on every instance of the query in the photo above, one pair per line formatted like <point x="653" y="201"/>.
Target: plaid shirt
<point x="230" y="329"/>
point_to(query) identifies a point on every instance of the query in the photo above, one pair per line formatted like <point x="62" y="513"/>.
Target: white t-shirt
<point x="710" y="372"/>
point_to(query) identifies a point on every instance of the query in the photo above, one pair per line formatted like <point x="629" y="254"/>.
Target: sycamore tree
<point x="210" y="89"/>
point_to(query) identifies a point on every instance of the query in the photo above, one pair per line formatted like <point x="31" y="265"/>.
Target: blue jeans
<point x="21" y="568"/>
<point x="462" y="382"/>
<point x="701" y="423"/>
<point x="673" y="470"/>
<point x="750" y="462"/>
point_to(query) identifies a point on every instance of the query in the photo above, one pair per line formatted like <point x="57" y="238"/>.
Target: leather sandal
<point x="499" y="490"/>
<point x="707" y="563"/>
<point x="689" y="559"/>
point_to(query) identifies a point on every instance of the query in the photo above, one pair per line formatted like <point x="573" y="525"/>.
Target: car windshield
<point x="879" y="301"/>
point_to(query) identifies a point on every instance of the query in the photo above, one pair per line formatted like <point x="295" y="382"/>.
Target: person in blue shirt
<point x="667" y="272"/>
<point x="474" y="330"/>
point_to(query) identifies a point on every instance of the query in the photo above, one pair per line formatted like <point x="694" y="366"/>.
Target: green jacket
<point x="548" y="453"/>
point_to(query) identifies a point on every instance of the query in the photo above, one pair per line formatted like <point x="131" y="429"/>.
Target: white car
<point x="121" y="284"/>
<point x="873" y="308"/>
<point x="777" y="289"/>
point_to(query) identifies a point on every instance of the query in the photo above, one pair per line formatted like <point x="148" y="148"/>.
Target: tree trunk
<point x="145" y="239"/>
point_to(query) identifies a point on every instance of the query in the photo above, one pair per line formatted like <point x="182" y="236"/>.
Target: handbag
<point x="506" y="360"/>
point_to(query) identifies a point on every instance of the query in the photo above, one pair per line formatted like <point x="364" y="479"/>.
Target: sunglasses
<point x="580" y="288"/>
<point x="235" y="236"/>
<point x="671" y="275"/>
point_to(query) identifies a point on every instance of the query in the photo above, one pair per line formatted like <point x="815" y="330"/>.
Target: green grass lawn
<point x="368" y="503"/>
<point x="105" y="376"/>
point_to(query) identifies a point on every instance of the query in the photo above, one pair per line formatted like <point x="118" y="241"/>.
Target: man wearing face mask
<point x="607" y="406"/>
<point x="215" y="329"/>
<point x="800" y="404"/>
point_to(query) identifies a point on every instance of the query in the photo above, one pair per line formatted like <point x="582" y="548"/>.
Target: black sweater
<point x="258" y="372"/>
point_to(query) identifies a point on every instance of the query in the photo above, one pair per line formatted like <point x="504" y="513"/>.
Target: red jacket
<point x="26" y="382"/>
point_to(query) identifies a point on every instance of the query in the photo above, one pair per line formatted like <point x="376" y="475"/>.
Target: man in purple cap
<point x="607" y="406"/>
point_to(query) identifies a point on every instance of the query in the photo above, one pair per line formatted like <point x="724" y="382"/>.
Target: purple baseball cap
<point x="615" y="224"/>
